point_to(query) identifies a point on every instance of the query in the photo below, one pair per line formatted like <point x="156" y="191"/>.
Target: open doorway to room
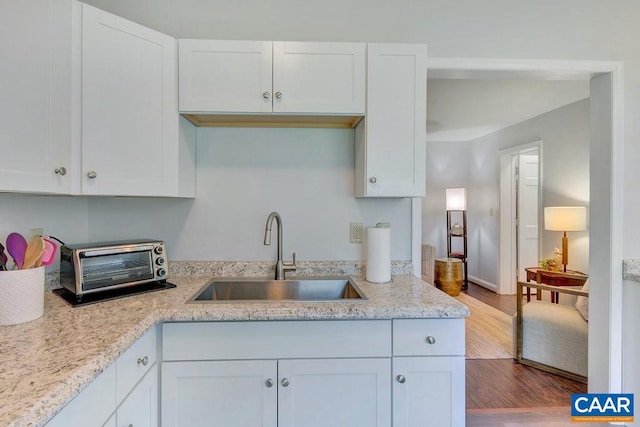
<point x="607" y="143"/>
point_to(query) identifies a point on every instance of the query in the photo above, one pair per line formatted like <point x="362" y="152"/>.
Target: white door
<point x="527" y="213"/>
<point x="35" y="41"/>
<point x="225" y="76"/>
<point x="226" y="393"/>
<point x="140" y="408"/>
<point x="129" y="108"/>
<point x="334" y="392"/>
<point x="319" y="77"/>
<point x="428" y="391"/>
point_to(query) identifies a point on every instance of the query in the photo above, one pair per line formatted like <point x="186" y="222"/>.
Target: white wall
<point x="242" y="175"/>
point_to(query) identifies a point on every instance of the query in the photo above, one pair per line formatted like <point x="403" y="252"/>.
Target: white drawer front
<point x="135" y="362"/>
<point x="428" y="337"/>
<point x="273" y="340"/>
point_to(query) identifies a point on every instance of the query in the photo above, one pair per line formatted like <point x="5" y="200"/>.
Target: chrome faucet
<point x="281" y="266"/>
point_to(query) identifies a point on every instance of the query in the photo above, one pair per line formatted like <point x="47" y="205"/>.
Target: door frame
<point x="605" y="369"/>
<point x="507" y="255"/>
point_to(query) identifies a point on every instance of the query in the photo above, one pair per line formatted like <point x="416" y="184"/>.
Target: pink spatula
<point x="49" y="254"/>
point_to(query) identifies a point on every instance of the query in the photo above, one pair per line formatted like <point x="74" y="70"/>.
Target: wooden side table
<point x="553" y="278"/>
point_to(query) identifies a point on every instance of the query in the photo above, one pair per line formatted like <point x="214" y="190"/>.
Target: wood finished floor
<point x="503" y="393"/>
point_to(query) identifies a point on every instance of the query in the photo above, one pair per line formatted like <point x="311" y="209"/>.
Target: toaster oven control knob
<point x="160" y="261"/>
<point x="161" y="272"/>
<point x="158" y="250"/>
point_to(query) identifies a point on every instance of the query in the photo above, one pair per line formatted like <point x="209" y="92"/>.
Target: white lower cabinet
<point x="124" y="395"/>
<point x="140" y="408"/>
<point x="283" y="393"/>
<point x="334" y="392"/>
<point x="226" y="393"/>
<point x="428" y="391"/>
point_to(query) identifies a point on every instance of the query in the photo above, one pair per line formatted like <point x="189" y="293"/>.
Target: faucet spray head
<point x="267" y="236"/>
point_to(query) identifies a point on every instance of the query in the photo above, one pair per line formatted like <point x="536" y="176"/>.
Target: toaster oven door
<point x="103" y="270"/>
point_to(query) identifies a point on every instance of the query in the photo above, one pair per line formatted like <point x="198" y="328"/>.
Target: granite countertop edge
<point x="381" y="305"/>
<point x="631" y="269"/>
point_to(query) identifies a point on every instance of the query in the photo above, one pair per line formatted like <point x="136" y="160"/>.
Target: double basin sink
<point x="304" y="289"/>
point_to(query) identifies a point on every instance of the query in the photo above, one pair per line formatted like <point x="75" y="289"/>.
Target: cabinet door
<point x="391" y="141"/>
<point x="140" y="408"/>
<point x="93" y="406"/>
<point x="129" y="108"/>
<point x="318" y="77"/>
<point x="226" y="393"/>
<point x="428" y="391"/>
<point x="334" y="392"/>
<point x="225" y="76"/>
<point x="35" y="129"/>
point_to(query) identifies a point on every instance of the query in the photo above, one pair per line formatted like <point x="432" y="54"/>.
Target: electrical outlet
<point x="35" y="232"/>
<point x="356" y="230"/>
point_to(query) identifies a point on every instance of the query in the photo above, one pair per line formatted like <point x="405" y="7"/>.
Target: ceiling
<point x="463" y="106"/>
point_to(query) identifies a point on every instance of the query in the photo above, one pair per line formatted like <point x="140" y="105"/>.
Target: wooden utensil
<point x="33" y="255"/>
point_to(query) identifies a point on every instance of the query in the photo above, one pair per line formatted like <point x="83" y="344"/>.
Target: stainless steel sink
<point x="307" y="289"/>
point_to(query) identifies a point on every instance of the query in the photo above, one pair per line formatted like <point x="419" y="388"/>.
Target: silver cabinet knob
<point x="430" y="340"/>
<point x="143" y="361"/>
<point x="266" y="95"/>
<point x="373" y="180"/>
<point x="401" y="379"/>
<point x="284" y="382"/>
<point x="92" y="174"/>
<point x="269" y="383"/>
<point x="278" y="95"/>
<point x="62" y="171"/>
<point x="130" y="425"/>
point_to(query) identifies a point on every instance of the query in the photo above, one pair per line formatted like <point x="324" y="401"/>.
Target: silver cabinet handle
<point x="269" y="383"/>
<point x="130" y="425"/>
<point x="430" y="340"/>
<point x="92" y="174"/>
<point x="401" y="379"/>
<point x="266" y="95"/>
<point x="284" y="382"/>
<point x="62" y="171"/>
<point x="143" y="361"/>
<point x="373" y="180"/>
<point x="278" y="95"/>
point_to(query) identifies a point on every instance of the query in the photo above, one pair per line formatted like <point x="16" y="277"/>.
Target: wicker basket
<point x="449" y="275"/>
<point x="21" y="295"/>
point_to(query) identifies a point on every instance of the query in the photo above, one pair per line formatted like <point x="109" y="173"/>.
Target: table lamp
<point x="565" y="219"/>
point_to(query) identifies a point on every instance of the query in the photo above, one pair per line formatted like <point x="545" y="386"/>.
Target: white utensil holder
<point x="21" y="295"/>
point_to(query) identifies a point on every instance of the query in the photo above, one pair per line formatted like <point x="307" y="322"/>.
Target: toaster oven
<point x="98" y="267"/>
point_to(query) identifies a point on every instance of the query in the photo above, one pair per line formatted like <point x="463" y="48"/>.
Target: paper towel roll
<point x="378" y="255"/>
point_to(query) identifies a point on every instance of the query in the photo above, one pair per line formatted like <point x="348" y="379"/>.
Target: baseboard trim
<point x="491" y="286"/>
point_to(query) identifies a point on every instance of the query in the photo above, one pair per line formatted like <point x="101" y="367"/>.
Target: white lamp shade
<point x="565" y="218"/>
<point x="456" y="199"/>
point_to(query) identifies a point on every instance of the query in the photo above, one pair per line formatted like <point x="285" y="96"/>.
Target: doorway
<point x="520" y="174"/>
<point x="605" y="213"/>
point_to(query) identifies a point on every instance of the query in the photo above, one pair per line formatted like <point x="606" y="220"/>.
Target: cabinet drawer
<point x="135" y="362"/>
<point x="428" y="337"/>
<point x="273" y="340"/>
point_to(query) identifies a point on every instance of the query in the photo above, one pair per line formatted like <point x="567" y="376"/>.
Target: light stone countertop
<point x="47" y="362"/>
<point x="631" y="269"/>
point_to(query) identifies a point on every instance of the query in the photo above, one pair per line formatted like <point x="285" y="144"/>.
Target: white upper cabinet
<point x="391" y="140"/>
<point x="130" y="122"/>
<point x="35" y="96"/>
<point x="225" y="76"/>
<point x="255" y="77"/>
<point x="318" y="78"/>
